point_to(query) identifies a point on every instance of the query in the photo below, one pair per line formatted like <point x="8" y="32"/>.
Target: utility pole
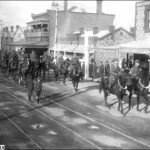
<point x="1" y="25"/>
<point x="86" y="54"/>
<point x="55" y="5"/>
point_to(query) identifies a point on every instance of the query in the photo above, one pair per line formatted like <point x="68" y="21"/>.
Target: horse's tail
<point x="101" y="85"/>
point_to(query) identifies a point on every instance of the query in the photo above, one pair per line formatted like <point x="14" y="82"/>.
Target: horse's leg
<point x="64" y="78"/>
<point x="130" y="97"/>
<point x="147" y="101"/>
<point x="76" y="86"/>
<point x="105" y="98"/>
<point x="138" y="101"/>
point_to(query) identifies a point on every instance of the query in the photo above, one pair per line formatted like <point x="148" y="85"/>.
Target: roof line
<point x="115" y="32"/>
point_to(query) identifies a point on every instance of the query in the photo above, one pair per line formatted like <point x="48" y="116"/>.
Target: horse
<point x="64" y="69"/>
<point x="118" y="88"/>
<point x="12" y="68"/>
<point x="75" y="77"/>
<point x="37" y="88"/>
<point x="4" y="64"/>
<point x="23" y="69"/>
<point x="140" y="88"/>
<point x="55" y="70"/>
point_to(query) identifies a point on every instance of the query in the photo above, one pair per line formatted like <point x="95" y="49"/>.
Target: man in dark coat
<point x="135" y="70"/>
<point x="29" y="84"/>
<point x="74" y="63"/>
<point x="114" y="71"/>
<point x="106" y="68"/>
<point x="101" y="69"/>
<point x="37" y="84"/>
<point x="60" y="61"/>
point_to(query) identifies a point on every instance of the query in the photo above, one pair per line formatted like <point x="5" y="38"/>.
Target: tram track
<point x="22" y="131"/>
<point x="47" y="116"/>
<point x="100" y="123"/>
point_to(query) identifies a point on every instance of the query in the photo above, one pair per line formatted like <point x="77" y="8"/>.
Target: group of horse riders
<point x="34" y="64"/>
<point x="113" y="71"/>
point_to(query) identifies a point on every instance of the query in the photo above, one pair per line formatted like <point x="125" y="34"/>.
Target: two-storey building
<point x="41" y="31"/>
<point x="11" y="36"/>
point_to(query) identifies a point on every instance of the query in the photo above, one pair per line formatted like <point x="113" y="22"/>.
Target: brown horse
<point x="118" y="88"/>
<point x="140" y="88"/>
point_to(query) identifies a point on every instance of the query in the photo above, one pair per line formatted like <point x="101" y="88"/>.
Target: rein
<point x="124" y="88"/>
<point x="76" y="74"/>
<point x="145" y="87"/>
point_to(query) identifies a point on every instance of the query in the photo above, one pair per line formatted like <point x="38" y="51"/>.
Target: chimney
<point x="12" y="28"/>
<point x="132" y="31"/>
<point x="99" y="6"/>
<point x="95" y="30"/>
<point x="17" y="27"/>
<point x="81" y="31"/>
<point x="111" y="30"/>
<point x="65" y="5"/>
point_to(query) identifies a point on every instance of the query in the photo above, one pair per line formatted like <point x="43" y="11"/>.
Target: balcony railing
<point x="36" y="33"/>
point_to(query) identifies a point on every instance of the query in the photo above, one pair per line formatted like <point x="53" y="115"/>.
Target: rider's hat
<point x="136" y="61"/>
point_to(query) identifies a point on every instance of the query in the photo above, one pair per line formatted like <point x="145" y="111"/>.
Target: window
<point x="121" y="33"/>
<point x="147" y="19"/>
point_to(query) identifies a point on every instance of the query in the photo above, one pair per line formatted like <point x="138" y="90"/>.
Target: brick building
<point x="140" y="48"/>
<point x="40" y="33"/>
<point x="11" y="36"/>
<point x="0" y="33"/>
<point x="116" y="37"/>
<point x="142" y="20"/>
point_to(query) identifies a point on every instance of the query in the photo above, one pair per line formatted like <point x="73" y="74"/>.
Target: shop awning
<point x="139" y="46"/>
<point x="65" y="47"/>
<point x="23" y="42"/>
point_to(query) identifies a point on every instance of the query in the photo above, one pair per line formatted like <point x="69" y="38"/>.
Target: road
<point x="69" y="120"/>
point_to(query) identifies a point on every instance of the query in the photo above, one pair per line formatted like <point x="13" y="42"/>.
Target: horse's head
<point x="125" y="78"/>
<point x="76" y="71"/>
<point x="66" y="64"/>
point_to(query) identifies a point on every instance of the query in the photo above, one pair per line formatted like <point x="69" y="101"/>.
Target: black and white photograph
<point x="74" y="74"/>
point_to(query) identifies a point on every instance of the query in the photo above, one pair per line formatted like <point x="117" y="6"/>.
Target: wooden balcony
<point x="36" y="33"/>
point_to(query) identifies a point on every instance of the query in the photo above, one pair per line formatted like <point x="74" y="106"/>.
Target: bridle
<point x="124" y="88"/>
<point x="145" y="87"/>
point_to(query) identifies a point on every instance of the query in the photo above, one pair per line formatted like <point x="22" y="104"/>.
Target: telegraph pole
<point x="86" y="54"/>
<point x="55" y="5"/>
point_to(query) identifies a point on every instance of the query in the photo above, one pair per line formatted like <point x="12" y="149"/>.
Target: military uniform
<point x="106" y="69"/>
<point x="30" y="86"/>
<point x="74" y="63"/>
<point x="37" y="84"/>
<point x="101" y="70"/>
<point x="135" y="70"/>
<point x="114" y="71"/>
<point x="59" y="62"/>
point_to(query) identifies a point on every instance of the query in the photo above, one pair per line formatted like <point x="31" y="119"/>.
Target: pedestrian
<point x="101" y="69"/>
<point x="29" y="84"/>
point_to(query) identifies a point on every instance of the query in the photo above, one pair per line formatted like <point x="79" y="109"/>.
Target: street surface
<point x="69" y="120"/>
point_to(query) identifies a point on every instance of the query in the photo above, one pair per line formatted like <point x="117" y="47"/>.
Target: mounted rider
<point x="74" y="63"/>
<point x="60" y="61"/>
<point x="32" y="60"/>
<point x="135" y="71"/>
<point x="114" y="71"/>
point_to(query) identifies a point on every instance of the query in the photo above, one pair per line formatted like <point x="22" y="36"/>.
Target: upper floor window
<point x="147" y="19"/>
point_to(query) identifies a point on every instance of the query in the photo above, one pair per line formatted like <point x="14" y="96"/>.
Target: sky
<point x="19" y="12"/>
